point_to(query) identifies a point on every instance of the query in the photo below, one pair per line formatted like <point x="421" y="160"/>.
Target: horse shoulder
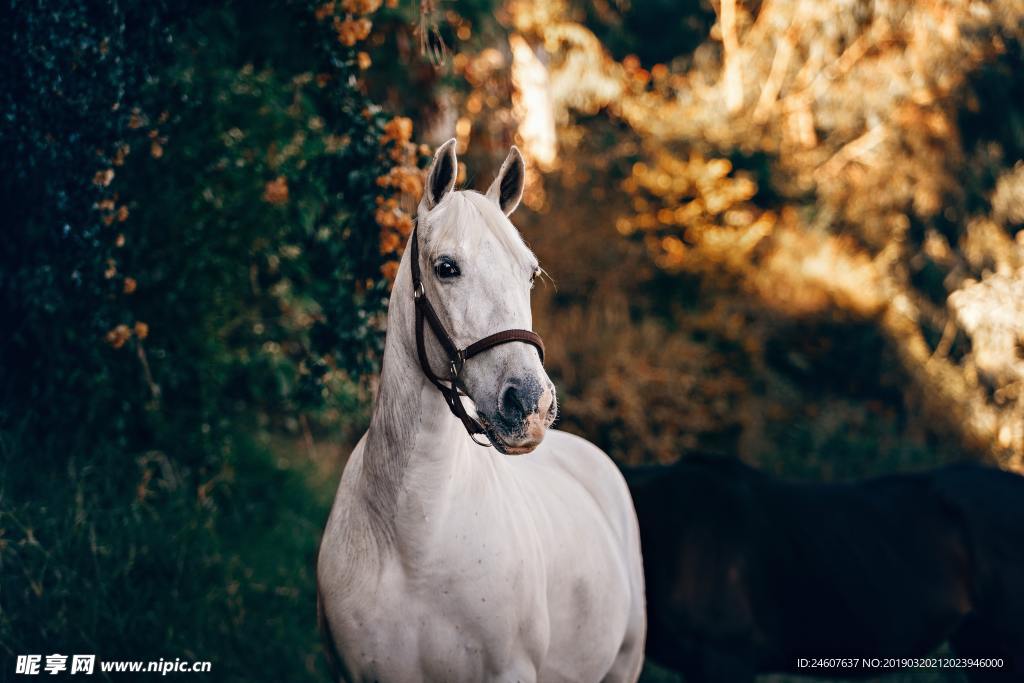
<point x="595" y="586"/>
<point x="597" y="473"/>
<point x="599" y="480"/>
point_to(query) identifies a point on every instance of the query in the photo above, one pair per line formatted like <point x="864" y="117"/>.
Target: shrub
<point x="205" y="207"/>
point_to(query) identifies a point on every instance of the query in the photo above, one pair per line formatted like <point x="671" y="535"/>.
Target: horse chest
<point x="498" y="579"/>
<point x="469" y="608"/>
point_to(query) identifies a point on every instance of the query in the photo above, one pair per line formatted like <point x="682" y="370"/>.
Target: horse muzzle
<point x="525" y="411"/>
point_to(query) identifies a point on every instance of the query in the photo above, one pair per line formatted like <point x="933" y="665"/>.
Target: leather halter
<point x="456" y="357"/>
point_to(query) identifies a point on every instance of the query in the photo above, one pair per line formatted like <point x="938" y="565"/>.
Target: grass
<point x="223" y="572"/>
<point x="134" y="562"/>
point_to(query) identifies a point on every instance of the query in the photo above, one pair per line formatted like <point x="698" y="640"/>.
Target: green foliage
<point x="221" y="192"/>
<point x="194" y="256"/>
<point x="69" y="75"/>
<point x="270" y="186"/>
<point x="92" y="565"/>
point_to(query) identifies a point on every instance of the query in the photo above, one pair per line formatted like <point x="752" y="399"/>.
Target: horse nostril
<point x="512" y="402"/>
<point x="547" y="399"/>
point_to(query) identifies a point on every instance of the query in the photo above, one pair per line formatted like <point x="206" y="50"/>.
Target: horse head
<point x="476" y="270"/>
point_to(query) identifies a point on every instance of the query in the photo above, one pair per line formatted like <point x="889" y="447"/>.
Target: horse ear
<point x="441" y="176"/>
<point x="507" y="188"/>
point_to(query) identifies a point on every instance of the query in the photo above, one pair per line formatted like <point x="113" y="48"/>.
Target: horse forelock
<point x="463" y="218"/>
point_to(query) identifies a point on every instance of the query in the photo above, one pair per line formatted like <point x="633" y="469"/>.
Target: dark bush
<point x="192" y="251"/>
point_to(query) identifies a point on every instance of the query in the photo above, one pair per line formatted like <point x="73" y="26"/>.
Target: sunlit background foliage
<point x="836" y="189"/>
<point x="789" y="231"/>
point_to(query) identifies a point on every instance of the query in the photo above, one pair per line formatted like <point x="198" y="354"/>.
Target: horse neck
<point x="411" y="430"/>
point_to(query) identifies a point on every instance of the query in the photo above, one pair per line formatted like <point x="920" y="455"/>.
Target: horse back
<point x="697" y="522"/>
<point x="771" y="570"/>
<point x="990" y="506"/>
<point x="867" y="569"/>
<point x="990" y="503"/>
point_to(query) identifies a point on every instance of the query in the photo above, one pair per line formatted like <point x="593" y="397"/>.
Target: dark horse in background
<point x="747" y="573"/>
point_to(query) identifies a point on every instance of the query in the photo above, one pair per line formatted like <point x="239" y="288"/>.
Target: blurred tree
<point x="838" y="162"/>
<point x="205" y="211"/>
<point x="655" y="31"/>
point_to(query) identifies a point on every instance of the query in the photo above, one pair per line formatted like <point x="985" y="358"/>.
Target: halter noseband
<point x="456" y="357"/>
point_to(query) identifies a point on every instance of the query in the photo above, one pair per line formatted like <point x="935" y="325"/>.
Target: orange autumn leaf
<point x="104" y="177"/>
<point x="275" y="192"/>
<point x="389" y="241"/>
<point x="118" y="336"/>
<point x="398" y="129"/>
<point x="350" y="31"/>
<point x="323" y="11"/>
<point x="390" y="271"/>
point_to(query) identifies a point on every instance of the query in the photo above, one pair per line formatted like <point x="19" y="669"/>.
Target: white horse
<point x="445" y="561"/>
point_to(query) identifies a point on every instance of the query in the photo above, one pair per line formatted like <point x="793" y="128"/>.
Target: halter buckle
<point x="456" y="364"/>
<point x="418" y="291"/>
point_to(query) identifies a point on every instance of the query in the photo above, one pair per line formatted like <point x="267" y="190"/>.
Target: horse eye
<point x="533" y="277"/>
<point x="447" y="270"/>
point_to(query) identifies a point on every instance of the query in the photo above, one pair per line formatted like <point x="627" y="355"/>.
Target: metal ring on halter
<point x="485" y="444"/>
<point x="418" y="291"/>
<point x="456" y="364"/>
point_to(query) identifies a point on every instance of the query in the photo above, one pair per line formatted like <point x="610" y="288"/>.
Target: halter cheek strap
<point x="456" y="357"/>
